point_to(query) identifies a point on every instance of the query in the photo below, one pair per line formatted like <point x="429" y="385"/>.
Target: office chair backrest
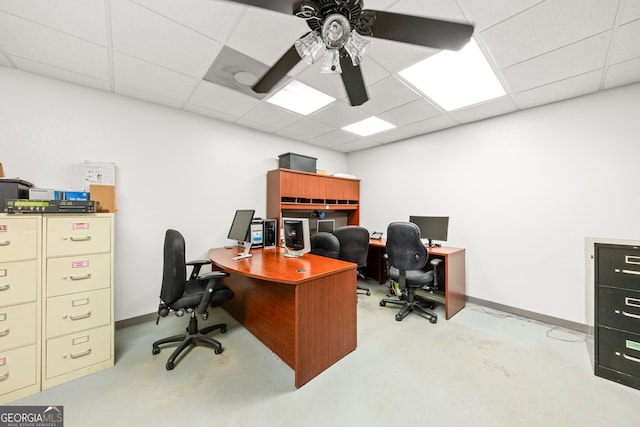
<point x="325" y="244"/>
<point x="354" y="244"/>
<point x="404" y="247"/>
<point x="174" y="273"/>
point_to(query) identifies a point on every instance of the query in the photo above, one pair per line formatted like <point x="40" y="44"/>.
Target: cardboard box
<point x="42" y="194"/>
<point x="104" y="196"/>
<point x="1" y="171"/>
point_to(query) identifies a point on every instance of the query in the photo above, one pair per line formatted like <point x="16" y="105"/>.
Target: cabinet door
<point x="618" y="266"/>
<point x="79" y="273"/>
<point x="619" y="308"/>
<point x="18" y="282"/>
<point x="619" y="350"/>
<point x="18" y="325"/>
<point x="17" y="368"/>
<point x="18" y="238"/>
<point x="77" y="235"/>
<point x="302" y="186"/>
<point x="76" y="351"/>
<point x="70" y="313"/>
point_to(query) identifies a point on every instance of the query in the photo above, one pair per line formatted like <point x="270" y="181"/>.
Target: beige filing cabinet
<point x="77" y="283"/>
<point x="20" y="306"/>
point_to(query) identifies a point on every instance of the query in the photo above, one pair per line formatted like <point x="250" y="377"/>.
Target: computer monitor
<point x="297" y="241"/>
<point x="240" y="231"/>
<point x="431" y="228"/>
<point x="325" y="225"/>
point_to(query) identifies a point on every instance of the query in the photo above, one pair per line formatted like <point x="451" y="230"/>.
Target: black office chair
<point x="325" y="244"/>
<point x="191" y="296"/>
<point x="354" y="247"/>
<point x="407" y="256"/>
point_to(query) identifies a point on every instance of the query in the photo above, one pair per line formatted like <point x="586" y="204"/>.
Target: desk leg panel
<point x="267" y="310"/>
<point x="327" y="323"/>
<point x="455" y="283"/>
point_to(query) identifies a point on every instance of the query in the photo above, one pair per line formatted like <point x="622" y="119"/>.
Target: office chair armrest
<point x="213" y="278"/>
<point x="197" y="265"/>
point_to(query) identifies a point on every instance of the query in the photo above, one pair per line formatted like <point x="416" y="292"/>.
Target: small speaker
<point x="269" y="233"/>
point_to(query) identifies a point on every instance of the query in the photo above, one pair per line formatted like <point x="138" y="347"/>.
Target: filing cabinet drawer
<point x="619" y="308"/>
<point x="618" y="266"/>
<point x="619" y="350"/>
<point x="75" y="312"/>
<point x="76" y="351"/>
<point x="77" y="235"/>
<point x="18" y="325"/>
<point x="78" y="274"/>
<point x="17" y="368"/>
<point x="18" y="238"/>
<point x="18" y="282"/>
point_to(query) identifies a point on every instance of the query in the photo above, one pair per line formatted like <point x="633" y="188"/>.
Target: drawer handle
<point x="5" y="242"/>
<point x="632" y="259"/>
<point x="633" y="316"/>
<point x="80" y="238"/>
<point x="4" y="333"/>
<point x="80" y="276"/>
<point x="80" y="354"/>
<point x="636" y="273"/>
<point x="633" y="359"/>
<point x="4" y="376"/>
<point x="5" y="287"/>
<point x="81" y="316"/>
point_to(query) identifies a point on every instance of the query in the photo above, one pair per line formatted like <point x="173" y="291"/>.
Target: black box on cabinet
<point x="297" y="162"/>
<point x="13" y="189"/>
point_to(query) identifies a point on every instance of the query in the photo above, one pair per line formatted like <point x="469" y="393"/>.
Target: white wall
<point x="174" y="169"/>
<point x="523" y="191"/>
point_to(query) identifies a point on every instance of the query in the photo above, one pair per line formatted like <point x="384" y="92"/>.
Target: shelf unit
<point x="290" y="190"/>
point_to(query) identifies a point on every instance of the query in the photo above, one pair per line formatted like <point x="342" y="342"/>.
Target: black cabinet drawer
<point x="618" y="350"/>
<point x="618" y="265"/>
<point x="619" y="308"/>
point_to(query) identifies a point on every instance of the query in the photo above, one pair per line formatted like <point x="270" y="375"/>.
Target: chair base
<point x="362" y="288"/>
<point x="410" y="304"/>
<point x="193" y="336"/>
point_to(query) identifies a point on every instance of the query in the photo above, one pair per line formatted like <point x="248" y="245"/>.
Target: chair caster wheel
<point x="368" y="293"/>
<point x="170" y="366"/>
<point x="223" y="329"/>
<point x="398" y="318"/>
<point x="382" y="303"/>
<point x="155" y="350"/>
<point x="218" y="351"/>
<point x="433" y="320"/>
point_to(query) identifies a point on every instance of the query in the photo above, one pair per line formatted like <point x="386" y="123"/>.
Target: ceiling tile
<point x="266" y="35"/>
<point x="387" y="94"/>
<point x="4" y="61"/>
<point x="623" y="73"/>
<point x="564" y="89"/>
<point x="492" y="108"/>
<point x="631" y="11"/>
<point x="486" y="13"/>
<point x="85" y="19"/>
<point x="437" y="9"/>
<point x="627" y="43"/>
<point x="60" y="74"/>
<point x="52" y="47"/>
<point x="573" y="60"/>
<point x="304" y="129"/>
<point x="137" y="74"/>
<point x="410" y="113"/>
<point x="339" y="114"/>
<point x="209" y="113"/>
<point x="222" y="99"/>
<point x="546" y="27"/>
<point x="214" y="19"/>
<point x="264" y="127"/>
<point x="332" y="139"/>
<point x="148" y="96"/>
<point x="143" y="34"/>
<point x="395" y="56"/>
<point x="431" y="125"/>
<point x="272" y="116"/>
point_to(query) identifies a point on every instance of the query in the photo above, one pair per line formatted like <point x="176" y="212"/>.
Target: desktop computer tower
<point x="270" y="233"/>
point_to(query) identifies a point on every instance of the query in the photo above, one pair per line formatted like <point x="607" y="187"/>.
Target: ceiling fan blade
<point x="278" y="71"/>
<point x="353" y="81"/>
<point x="284" y="6"/>
<point x="421" y="31"/>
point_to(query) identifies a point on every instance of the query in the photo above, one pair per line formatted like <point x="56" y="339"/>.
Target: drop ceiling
<point x="160" y="50"/>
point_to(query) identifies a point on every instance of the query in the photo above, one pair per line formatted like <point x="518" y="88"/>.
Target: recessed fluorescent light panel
<point x="300" y="98"/>
<point x="455" y="79"/>
<point x="368" y="126"/>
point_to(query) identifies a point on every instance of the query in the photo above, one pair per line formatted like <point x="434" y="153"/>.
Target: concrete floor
<point x="481" y="368"/>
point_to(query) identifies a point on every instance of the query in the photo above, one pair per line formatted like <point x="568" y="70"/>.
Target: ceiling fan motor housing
<point x="317" y="12"/>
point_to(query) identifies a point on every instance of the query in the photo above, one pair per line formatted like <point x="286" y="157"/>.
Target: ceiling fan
<point x="336" y="25"/>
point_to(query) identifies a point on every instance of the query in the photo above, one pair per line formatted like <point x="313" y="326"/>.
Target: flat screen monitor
<point x="297" y="240"/>
<point x="325" y="225"/>
<point x="240" y="230"/>
<point x="431" y="227"/>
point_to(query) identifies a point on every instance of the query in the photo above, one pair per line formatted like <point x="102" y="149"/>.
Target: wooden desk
<point x="451" y="274"/>
<point x="303" y="309"/>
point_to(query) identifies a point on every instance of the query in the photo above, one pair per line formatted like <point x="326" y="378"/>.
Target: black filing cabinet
<point x="617" y="316"/>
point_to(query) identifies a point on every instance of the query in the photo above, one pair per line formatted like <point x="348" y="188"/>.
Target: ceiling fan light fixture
<point x="335" y="31"/>
<point x="356" y="46"/>
<point x="309" y="47"/>
<point x="331" y="62"/>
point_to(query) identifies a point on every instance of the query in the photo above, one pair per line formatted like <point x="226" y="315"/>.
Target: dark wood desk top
<point x="436" y="250"/>
<point x="271" y="265"/>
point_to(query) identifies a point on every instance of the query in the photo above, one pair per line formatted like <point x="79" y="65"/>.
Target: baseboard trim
<point x="132" y="321"/>
<point x="575" y="326"/>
